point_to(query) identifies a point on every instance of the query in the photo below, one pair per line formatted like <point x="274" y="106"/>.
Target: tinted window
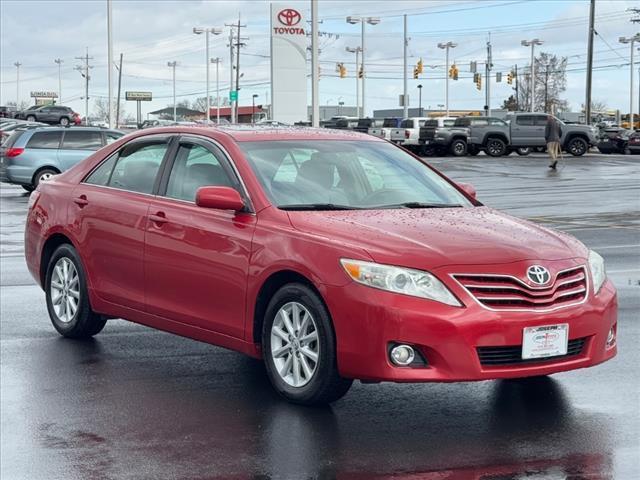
<point x="195" y="166"/>
<point x="45" y="140"/>
<point x="540" y="120"/>
<point x="390" y="122"/>
<point x="431" y="123"/>
<point x="100" y="176"/>
<point x="479" y="122"/>
<point x="526" y="120"/>
<point x="365" y="122"/>
<point x="407" y="123"/>
<point x="137" y="166"/>
<point x="497" y="122"/>
<point x="461" y="122"/>
<point x="82" y="140"/>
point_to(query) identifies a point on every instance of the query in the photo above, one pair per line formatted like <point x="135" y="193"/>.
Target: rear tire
<point x="523" y="151"/>
<point x="458" y="148"/>
<point x="496" y="147"/>
<point x="43" y="175"/>
<point x="289" y="357"/>
<point x="68" y="298"/>
<point x="64" y="121"/>
<point x="31" y="118"/>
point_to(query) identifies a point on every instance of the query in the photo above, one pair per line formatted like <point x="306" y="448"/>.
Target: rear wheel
<point x="458" y="148"/>
<point x="577" y="146"/>
<point x="31" y="118"/>
<point x="43" y="175"/>
<point x="298" y="345"/>
<point x="64" y="121"/>
<point x="67" y="296"/>
<point x="523" y="151"/>
<point x="496" y="147"/>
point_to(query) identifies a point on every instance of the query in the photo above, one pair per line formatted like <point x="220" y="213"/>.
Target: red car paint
<point x="199" y="273"/>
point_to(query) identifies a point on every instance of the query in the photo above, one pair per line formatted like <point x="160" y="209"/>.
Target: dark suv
<point x="52" y="114"/>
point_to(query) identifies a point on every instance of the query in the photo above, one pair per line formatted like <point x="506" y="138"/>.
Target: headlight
<point x="598" y="272"/>
<point x="400" y="280"/>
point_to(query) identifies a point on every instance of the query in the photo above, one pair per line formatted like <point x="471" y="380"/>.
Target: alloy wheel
<point x="65" y="290"/>
<point x="295" y="349"/>
<point x="45" y="176"/>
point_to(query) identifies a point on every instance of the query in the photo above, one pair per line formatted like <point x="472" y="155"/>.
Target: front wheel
<point x="31" y="118"/>
<point x="299" y="347"/>
<point x="523" y="151"/>
<point x="458" y="148"/>
<point x="577" y="147"/>
<point x="64" y="121"/>
<point x="67" y="296"/>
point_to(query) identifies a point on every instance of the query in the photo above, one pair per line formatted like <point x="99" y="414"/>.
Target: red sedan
<point x="331" y="255"/>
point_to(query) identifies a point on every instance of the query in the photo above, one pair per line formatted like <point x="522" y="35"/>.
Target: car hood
<point x="432" y="238"/>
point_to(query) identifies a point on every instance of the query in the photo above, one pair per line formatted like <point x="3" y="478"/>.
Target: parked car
<point x="408" y="134"/>
<point x="7" y="129"/>
<point x="634" y="142"/>
<point x="364" y="124"/>
<point x="7" y="112"/>
<point x="330" y="255"/>
<point x="614" y="140"/>
<point x="33" y="155"/>
<point x="384" y="131"/>
<point x="348" y="123"/>
<point x="441" y="136"/>
<point x="488" y="134"/>
<point x="51" y="114"/>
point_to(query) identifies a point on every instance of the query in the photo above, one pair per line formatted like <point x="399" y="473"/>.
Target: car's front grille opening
<point x="505" y="292"/>
<point x="512" y="355"/>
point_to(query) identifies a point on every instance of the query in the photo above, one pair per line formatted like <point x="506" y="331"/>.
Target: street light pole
<point x="207" y="31"/>
<point x="363" y="20"/>
<point x="59" y="61"/>
<point x="357" y="51"/>
<point x="532" y="44"/>
<point x="17" y="65"/>
<point x="217" y="61"/>
<point x="173" y="67"/>
<point x="109" y="64"/>
<point x="631" y="40"/>
<point x="253" y="107"/>
<point x="446" y="47"/>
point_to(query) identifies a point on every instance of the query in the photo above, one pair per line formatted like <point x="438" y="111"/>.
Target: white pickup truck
<point x="385" y="130"/>
<point x="408" y="134"/>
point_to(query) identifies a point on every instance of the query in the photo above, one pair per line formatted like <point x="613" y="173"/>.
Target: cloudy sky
<point x="151" y="33"/>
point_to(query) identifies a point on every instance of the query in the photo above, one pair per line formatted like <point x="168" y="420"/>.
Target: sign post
<point x="138" y="97"/>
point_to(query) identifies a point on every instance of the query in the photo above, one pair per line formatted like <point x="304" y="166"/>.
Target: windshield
<point x="390" y="122"/>
<point x="347" y="174"/>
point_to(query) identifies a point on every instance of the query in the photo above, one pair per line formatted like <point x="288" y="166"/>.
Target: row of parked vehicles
<point x="520" y="132"/>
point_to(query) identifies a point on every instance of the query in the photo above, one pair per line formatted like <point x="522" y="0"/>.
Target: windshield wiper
<point x="316" y="206"/>
<point x="422" y="205"/>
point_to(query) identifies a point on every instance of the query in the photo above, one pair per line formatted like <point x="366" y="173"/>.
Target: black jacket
<point x="552" y="131"/>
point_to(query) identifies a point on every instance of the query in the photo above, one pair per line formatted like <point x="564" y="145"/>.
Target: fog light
<point x="611" y="338"/>
<point x="402" y="355"/>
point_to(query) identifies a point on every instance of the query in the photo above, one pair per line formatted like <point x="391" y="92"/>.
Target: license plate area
<point x="545" y="341"/>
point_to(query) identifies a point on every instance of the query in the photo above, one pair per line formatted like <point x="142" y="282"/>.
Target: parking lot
<point x="139" y="403"/>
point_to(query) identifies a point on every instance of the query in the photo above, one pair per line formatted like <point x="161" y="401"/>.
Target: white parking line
<point x="610" y="247"/>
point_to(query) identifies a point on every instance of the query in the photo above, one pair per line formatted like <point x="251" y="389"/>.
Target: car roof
<point x="49" y="128"/>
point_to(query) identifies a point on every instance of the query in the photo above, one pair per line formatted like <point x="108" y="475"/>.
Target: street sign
<point x="41" y="94"/>
<point x="138" y="96"/>
<point x="233" y="95"/>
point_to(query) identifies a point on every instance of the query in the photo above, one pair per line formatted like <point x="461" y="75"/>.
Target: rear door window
<point x="45" y="140"/>
<point x="539" y="120"/>
<point x="449" y="123"/>
<point x="82" y="140"/>
<point x="138" y="165"/>
<point x="524" y="120"/>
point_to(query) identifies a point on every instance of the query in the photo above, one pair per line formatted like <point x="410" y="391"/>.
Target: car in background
<point x="31" y="156"/>
<point x="634" y="142"/>
<point x="441" y="136"/>
<point x="614" y="140"/>
<point x="7" y="129"/>
<point x="7" y="112"/>
<point x="408" y="133"/>
<point x="51" y="114"/>
<point x="384" y="131"/>
<point x="365" y="124"/>
<point x="347" y="123"/>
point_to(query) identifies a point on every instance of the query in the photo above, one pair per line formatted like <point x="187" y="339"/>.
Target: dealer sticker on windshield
<point x="546" y="341"/>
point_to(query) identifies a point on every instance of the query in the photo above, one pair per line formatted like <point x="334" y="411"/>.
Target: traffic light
<point x="342" y="70"/>
<point x="419" y="67"/>
<point x="453" y="72"/>
<point x="415" y="72"/>
<point x="361" y="72"/>
<point x="477" y="79"/>
<point x="510" y="78"/>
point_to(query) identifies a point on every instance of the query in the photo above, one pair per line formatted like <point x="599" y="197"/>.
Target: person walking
<point x="552" y="135"/>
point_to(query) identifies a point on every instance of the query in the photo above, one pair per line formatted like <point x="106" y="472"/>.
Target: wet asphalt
<point x="135" y="403"/>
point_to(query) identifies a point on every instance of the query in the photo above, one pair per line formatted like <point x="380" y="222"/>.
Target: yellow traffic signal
<point x="454" y="71"/>
<point x="415" y="72"/>
<point x="419" y="67"/>
<point x="479" y="83"/>
<point x="342" y="69"/>
<point x="361" y="72"/>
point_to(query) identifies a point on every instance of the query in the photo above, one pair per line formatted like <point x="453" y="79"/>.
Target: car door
<point x="197" y="259"/>
<point x="479" y="130"/>
<point x="522" y="131"/>
<point x="111" y="207"/>
<point x="78" y="145"/>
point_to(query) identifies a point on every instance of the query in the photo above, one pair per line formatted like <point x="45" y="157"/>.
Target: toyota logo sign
<point x="538" y="275"/>
<point x="289" y="17"/>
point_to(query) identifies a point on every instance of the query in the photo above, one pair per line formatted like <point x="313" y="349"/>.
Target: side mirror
<point x="468" y="189"/>
<point x="221" y="198"/>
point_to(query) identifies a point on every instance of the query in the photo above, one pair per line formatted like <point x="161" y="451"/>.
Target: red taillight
<point x="407" y="134"/>
<point x="13" y="152"/>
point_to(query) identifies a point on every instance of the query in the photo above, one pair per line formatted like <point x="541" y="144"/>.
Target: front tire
<point x="64" y="121"/>
<point x="31" y="118"/>
<point x="523" y="151"/>
<point x="68" y="298"/>
<point x="458" y="148"/>
<point x="299" y="348"/>
<point x="577" y="147"/>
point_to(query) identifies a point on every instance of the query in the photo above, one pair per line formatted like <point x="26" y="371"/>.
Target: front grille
<point x="512" y="355"/>
<point x="508" y="293"/>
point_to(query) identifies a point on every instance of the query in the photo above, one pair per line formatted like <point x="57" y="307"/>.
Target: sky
<point x="151" y="33"/>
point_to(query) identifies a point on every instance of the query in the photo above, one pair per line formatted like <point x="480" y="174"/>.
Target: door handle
<point x="81" y="201"/>
<point x="158" y="218"/>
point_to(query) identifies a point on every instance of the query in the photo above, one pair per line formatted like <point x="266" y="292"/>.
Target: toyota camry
<point x="332" y="256"/>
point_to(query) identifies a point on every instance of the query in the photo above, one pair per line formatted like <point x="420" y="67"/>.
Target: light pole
<point x="532" y="44"/>
<point x="217" y="61"/>
<point x="253" y="107"/>
<point x="363" y="21"/>
<point x="59" y="61"/>
<point x="207" y="31"/>
<point x="357" y="51"/>
<point x="173" y="67"/>
<point x="17" y="65"/>
<point x="446" y="47"/>
<point x="420" y="100"/>
<point x="632" y="41"/>
<point x="340" y="104"/>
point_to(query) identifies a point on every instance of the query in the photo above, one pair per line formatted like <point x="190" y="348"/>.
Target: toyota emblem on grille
<point x="538" y="274"/>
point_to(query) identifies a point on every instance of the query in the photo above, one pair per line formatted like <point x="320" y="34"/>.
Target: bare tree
<point x="550" y="83"/>
<point x="101" y="109"/>
<point x="597" y="106"/>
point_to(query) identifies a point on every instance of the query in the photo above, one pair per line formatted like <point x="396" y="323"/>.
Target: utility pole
<point x="517" y="97"/>
<point x="405" y="109"/>
<point x="173" y="67"/>
<point x="446" y="47"/>
<point x="109" y="63"/>
<point x="587" y="102"/>
<point x="238" y="45"/>
<point x="207" y="31"/>
<point x="119" y="85"/>
<point x="217" y="61"/>
<point x="487" y="87"/>
<point x="231" y="67"/>
<point x="632" y="41"/>
<point x="17" y="65"/>
<point x="84" y="71"/>
<point x="532" y="44"/>
<point x="59" y="61"/>
<point x="357" y="51"/>
<point x="315" y="108"/>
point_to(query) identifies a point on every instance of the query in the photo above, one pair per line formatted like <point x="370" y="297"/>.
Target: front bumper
<point x="367" y="320"/>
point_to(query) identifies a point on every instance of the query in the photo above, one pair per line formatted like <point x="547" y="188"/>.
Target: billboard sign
<point x="138" y="96"/>
<point x="288" y="63"/>
<point x="43" y="94"/>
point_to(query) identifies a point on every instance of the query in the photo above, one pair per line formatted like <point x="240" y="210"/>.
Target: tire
<point x="523" y="151"/>
<point x="43" y="175"/>
<point x="496" y="147"/>
<point x="577" y="146"/>
<point x="28" y="188"/>
<point x="30" y="118"/>
<point x="458" y="148"/>
<point x="64" y="272"/>
<point x="319" y="383"/>
<point x="429" y="151"/>
<point x="64" y="121"/>
<point x="540" y="149"/>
